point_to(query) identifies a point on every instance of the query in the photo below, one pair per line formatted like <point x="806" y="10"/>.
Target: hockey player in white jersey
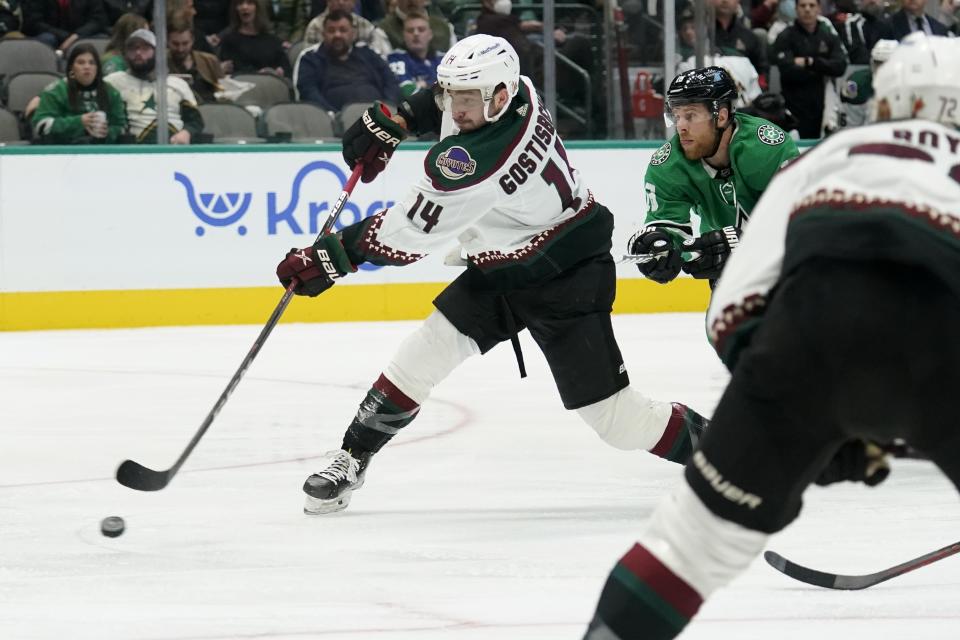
<point x="538" y="253"/>
<point x="838" y="319"/>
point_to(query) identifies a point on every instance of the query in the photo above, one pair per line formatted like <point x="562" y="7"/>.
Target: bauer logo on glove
<point x="711" y="252"/>
<point x="315" y="269"/>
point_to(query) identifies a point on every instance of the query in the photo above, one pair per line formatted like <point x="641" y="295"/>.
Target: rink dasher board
<point x="146" y="236"/>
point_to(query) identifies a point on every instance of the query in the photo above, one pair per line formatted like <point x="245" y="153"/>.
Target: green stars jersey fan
<point x="674" y="185"/>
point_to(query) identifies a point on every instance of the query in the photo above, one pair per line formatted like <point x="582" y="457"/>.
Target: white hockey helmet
<point x="481" y="62"/>
<point x="882" y="51"/>
<point x="921" y="79"/>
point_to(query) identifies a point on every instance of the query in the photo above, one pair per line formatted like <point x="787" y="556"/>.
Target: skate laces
<point x="340" y="467"/>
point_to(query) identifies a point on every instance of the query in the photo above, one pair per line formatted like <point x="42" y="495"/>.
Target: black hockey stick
<point x="135" y="475"/>
<point x="851" y="583"/>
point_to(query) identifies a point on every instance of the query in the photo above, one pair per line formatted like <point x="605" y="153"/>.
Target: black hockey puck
<point x="112" y="526"/>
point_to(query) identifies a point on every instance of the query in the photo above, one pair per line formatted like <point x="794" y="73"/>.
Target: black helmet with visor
<point x="711" y="86"/>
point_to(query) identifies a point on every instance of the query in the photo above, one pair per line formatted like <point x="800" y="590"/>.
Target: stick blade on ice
<point x="801" y="573"/>
<point x="136" y="476"/>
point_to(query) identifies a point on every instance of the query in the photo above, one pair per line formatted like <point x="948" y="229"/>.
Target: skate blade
<point x="317" y="507"/>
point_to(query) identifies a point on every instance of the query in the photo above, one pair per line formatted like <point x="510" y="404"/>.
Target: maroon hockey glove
<point x="372" y="139"/>
<point x="664" y="264"/>
<point x="856" y="461"/>
<point x="714" y="248"/>
<point x="315" y="268"/>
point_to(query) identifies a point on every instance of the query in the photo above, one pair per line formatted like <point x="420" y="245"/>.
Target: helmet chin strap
<point x="497" y="116"/>
<point x="718" y="135"/>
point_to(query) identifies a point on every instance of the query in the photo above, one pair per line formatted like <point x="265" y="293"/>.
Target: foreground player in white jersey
<point x="838" y="318"/>
<point x="538" y="252"/>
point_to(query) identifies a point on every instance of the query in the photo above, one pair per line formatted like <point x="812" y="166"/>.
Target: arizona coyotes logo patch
<point x="660" y="155"/>
<point x="850" y="90"/>
<point x="770" y="135"/>
<point x="456" y="163"/>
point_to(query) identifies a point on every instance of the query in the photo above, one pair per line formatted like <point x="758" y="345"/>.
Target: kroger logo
<point x="216" y="210"/>
<point x="227" y="209"/>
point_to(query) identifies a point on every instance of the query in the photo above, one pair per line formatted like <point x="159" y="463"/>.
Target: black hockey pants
<point x="845" y="350"/>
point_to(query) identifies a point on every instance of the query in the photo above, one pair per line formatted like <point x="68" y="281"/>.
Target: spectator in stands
<point x="912" y="17"/>
<point x="137" y="86"/>
<point x="366" y="33"/>
<point x="686" y="35"/>
<point x="372" y="10"/>
<point x="212" y="19"/>
<point x="786" y="16"/>
<point x="186" y="10"/>
<point x="734" y="36"/>
<point x="949" y="15"/>
<point x="201" y="70"/>
<point x="336" y="73"/>
<point x="248" y="45"/>
<point x="290" y="20"/>
<point x="116" y="8"/>
<point x="415" y="65"/>
<point x="113" y="56"/>
<point x="860" y="31"/>
<point x="763" y="13"/>
<point x="393" y="25"/>
<point x="772" y="107"/>
<point x="809" y="54"/>
<point x="496" y="19"/>
<point x="80" y="108"/>
<point x="60" y="23"/>
<point x="9" y="18"/>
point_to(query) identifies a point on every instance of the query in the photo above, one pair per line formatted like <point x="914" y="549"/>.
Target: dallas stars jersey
<point x="505" y="192"/>
<point x="56" y="120"/>
<point x="884" y="192"/>
<point x="140" y="98"/>
<point x="675" y="185"/>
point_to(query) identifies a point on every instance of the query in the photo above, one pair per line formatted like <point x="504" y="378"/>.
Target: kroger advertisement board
<point x="142" y="237"/>
<point x="187" y="220"/>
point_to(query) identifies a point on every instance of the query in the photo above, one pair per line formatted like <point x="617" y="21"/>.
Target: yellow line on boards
<point x="345" y="303"/>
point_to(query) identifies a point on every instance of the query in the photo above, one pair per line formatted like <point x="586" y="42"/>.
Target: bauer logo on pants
<point x="725" y="488"/>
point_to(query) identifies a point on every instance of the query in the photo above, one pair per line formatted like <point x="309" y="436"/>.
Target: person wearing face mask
<point x="443" y="37"/>
<point x="137" y="86"/>
<point x="81" y="108"/>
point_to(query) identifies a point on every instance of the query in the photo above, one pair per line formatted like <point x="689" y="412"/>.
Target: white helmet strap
<point x="488" y="101"/>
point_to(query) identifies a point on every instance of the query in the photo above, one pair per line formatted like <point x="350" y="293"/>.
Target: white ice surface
<point x="496" y="514"/>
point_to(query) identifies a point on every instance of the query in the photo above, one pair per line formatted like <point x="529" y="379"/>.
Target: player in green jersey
<point x="716" y="166"/>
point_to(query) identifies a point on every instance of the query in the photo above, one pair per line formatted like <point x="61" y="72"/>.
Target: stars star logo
<point x="384" y="158"/>
<point x="770" y="135"/>
<point x="303" y="256"/>
<point x="150" y="104"/>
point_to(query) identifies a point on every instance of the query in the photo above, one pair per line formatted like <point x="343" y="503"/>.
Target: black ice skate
<point x="329" y="490"/>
